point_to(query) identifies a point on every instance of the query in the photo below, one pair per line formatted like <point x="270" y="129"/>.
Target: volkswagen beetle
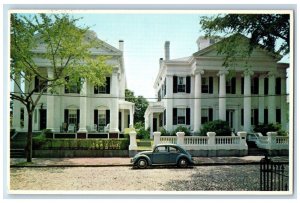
<point x="163" y="154"/>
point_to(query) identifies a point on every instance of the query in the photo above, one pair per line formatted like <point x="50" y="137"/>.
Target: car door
<point x="174" y="153"/>
<point x="160" y="155"/>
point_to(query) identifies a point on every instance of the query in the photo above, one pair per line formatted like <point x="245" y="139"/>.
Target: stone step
<point x="17" y="153"/>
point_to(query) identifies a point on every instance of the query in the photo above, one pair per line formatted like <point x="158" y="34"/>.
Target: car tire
<point x="142" y="163"/>
<point x="182" y="163"/>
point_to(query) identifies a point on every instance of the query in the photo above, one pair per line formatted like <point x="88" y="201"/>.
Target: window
<point x="254" y="85"/>
<point x="72" y="116"/>
<point x="101" y="120"/>
<point x="242" y="85"/>
<point x="161" y="149"/>
<point x="165" y="115"/>
<point x="230" y="86"/>
<point x="181" y="84"/>
<point x="206" y="115"/>
<point x="39" y="84"/>
<point x="173" y="149"/>
<point x="103" y="89"/>
<point x="254" y="116"/>
<point x="207" y="85"/>
<point x="72" y="88"/>
<point x="278" y="86"/>
<point x="180" y="116"/>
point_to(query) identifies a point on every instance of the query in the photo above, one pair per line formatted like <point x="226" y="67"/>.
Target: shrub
<point x="164" y="132"/>
<point x="221" y="128"/>
<point x="143" y="134"/>
<point x="182" y="129"/>
<point x="270" y="127"/>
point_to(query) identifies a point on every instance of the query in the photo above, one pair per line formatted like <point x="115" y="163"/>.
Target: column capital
<point x="248" y="72"/>
<point x="198" y="71"/>
<point x="115" y="70"/>
<point x="222" y="72"/>
<point x="272" y="74"/>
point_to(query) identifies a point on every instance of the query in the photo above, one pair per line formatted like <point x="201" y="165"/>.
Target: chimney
<point x="121" y="45"/>
<point x="160" y="62"/>
<point x="167" y="50"/>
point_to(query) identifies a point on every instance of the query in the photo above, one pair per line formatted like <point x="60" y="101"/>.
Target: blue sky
<point x="144" y="36"/>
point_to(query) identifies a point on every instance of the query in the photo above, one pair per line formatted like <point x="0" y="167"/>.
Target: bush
<point x="143" y="134"/>
<point x="164" y="132"/>
<point x="221" y="128"/>
<point x="271" y="127"/>
<point x="182" y="129"/>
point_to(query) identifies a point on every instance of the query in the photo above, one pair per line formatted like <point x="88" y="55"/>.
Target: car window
<point x="173" y="149"/>
<point x="161" y="149"/>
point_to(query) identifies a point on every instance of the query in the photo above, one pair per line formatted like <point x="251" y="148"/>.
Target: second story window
<point x="103" y="89"/>
<point x="39" y="84"/>
<point x="207" y="85"/>
<point x="72" y="88"/>
<point x="230" y="86"/>
<point x="254" y="85"/>
<point x="181" y="84"/>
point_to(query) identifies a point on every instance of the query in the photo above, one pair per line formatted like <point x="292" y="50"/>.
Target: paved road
<point x="200" y="178"/>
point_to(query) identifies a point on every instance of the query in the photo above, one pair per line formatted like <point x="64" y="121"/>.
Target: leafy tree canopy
<point x="141" y="105"/>
<point x="266" y="30"/>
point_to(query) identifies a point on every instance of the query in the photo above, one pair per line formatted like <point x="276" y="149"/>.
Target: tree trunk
<point x="28" y="148"/>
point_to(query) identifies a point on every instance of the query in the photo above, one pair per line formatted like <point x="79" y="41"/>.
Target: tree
<point x="265" y="30"/>
<point x="141" y="105"/>
<point x="63" y="46"/>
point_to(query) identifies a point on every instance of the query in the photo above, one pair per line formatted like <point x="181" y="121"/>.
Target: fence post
<point x="156" y="138"/>
<point x="272" y="139"/>
<point x="180" y="138"/>
<point x="211" y="138"/>
<point x="133" y="145"/>
<point x="243" y="143"/>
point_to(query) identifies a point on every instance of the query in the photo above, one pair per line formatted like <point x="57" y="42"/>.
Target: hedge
<point x="87" y="144"/>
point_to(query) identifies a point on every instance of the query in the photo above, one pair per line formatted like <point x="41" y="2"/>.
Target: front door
<point x="43" y="119"/>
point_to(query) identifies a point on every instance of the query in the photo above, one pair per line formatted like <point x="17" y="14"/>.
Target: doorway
<point x="43" y="119"/>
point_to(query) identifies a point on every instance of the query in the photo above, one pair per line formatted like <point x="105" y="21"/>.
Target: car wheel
<point x="182" y="163"/>
<point x="142" y="163"/>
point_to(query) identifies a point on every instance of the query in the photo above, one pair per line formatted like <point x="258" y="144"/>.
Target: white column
<point x="271" y="99"/>
<point x="17" y="104"/>
<point x="131" y="116"/>
<point x="123" y="120"/>
<point x="151" y="124"/>
<point x="283" y="104"/>
<point x="169" y="102"/>
<point x="222" y="95"/>
<point x="261" y="99"/>
<point x="197" y="100"/>
<point x="114" y="111"/>
<point x="51" y="113"/>
<point x="247" y="100"/>
<point x="83" y="108"/>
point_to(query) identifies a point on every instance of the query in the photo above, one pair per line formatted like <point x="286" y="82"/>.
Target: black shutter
<point x="266" y="86"/>
<point x="210" y="85"/>
<point x="188" y="116"/>
<point x="188" y="84"/>
<point x="210" y="114"/>
<point x="107" y="85"/>
<point x="266" y="116"/>
<point x="96" y="89"/>
<point x="78" y="118"/>
<point x="255" y="85"/>
<point x="278" y="86"/>
<point x="174" y="116"/>
<point x="66" y="88"/>
<point x="242" y="116"/>
<point x="233" y="85"/>
<point x="120" y="120"/>
<point x="96" y="117"/>
<point x="255" y="116"/>
<point x="36" y="84"/>
<point x="242" y="85"/>
<point x="66" y="115"/>
<point x="107" y="115"/>
<point x="174" y="84"/>
<point x="278" y="116"/>
<point x="165" y="117"/>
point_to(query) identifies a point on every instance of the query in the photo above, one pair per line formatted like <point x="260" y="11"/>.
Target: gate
<point x="273" y="175"/>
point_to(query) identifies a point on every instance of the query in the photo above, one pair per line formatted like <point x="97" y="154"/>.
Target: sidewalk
<point x="111" y="162"/>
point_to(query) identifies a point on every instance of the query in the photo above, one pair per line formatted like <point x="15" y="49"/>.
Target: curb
<point x="127" y="165"/>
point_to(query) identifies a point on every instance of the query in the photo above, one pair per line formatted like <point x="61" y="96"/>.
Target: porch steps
<point x="17" y="153"/>
<point x="19" y="141"/>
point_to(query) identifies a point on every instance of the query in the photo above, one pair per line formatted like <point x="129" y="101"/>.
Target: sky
<point x="144" y="36"/>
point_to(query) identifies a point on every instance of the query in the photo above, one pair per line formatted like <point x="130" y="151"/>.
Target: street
<point x="199" y="178"/>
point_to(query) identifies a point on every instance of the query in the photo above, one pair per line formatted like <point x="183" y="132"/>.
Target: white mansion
<point x="196" y="89"/>
<point x="89" y="109"/>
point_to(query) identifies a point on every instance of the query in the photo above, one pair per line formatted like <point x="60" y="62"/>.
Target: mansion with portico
<point x="196" y="89"/>
<point x="91" y="109"/>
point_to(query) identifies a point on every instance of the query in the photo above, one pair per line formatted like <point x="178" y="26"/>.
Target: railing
<point x="168" y="139"/>
<point x="273" y="142"/>
<point x="195" y="140"/>
<point x="224" y="140"/>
